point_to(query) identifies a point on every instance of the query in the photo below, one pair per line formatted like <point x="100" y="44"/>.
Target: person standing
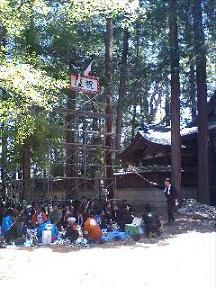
<point x="171" y="196"/>
<point x="170" y="193"/>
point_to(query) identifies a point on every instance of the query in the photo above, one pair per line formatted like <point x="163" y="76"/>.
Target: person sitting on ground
<point x="151" y="221"/>
<point x="73" y="231"/>
<point x="84" y="204"/>
<point x="76" y="204"/>
<point x="56" y="215"/>
<point x="79" y="217"/>
<point x="124" y="216"/>
<point x="104" y="221"/>
<point x="120" y="218"/>
<point x="38" y="217"/>
<point x="129" y="215"/>
<point x="93" y="208"/>
<point x="92" y="230"/>
<point x="3" y="210"/>
<point x="66" y="214"/>
<point x="107" y="217"/>
<point x="31" y="210"/>
<point x="125" y="204"/>
<point x="17" y="232"/>
<point x="72" y="209"/>
<point x="114" y="209"/>
<point x="8" y="220"/>
<point x="23" y="213"/>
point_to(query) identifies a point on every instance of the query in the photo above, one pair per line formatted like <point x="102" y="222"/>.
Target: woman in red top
<point x="38" y="217"/>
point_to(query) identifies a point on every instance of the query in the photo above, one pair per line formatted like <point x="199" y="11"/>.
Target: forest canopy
<point x="41" y="42"/>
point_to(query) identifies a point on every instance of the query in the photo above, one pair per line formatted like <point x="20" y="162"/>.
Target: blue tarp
<point x="117" y="235"/>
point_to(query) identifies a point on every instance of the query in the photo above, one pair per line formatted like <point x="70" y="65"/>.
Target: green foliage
<point x="25" y="91"/>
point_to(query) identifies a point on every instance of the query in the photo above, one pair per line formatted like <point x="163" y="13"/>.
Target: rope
<point x="133" y="169"/>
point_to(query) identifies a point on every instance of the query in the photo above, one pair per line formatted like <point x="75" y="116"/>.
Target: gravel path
<point x="184" y="256"/>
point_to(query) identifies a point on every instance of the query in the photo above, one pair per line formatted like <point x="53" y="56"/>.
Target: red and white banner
<point x="88" y="84"/>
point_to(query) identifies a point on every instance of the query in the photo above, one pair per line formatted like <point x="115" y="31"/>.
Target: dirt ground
<point x="184" y="256"/>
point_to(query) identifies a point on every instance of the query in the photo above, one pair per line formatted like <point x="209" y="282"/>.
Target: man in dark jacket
<point x="170" y="194"/>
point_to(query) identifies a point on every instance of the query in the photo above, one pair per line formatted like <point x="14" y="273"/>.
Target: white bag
<point x="46" y="237"/>
<point x="137" y="221"/>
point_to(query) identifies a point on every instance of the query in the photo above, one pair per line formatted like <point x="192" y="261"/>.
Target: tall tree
<point x="108" y="110"/>
<point x="122" y="89"/>
<point x="4" y="152"/>
<point x="30" y="37"/>
<point x="200" y="51"/>
<point x="4" y="137"/>
<point x="188" y="56"/>
<point x="175" y="98"/>
<point x="135" y="91"/>
<point x="192" y="87"/>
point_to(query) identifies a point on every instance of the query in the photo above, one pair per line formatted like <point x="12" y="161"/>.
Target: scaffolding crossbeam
<point x="81" y="113"/>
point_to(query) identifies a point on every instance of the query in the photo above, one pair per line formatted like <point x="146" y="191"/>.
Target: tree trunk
<point x="175" y="99"/>
<point x="134" y="114"/>
<point x="122" y="88"/>
<point x="2" y="40"/>
<point x="4" y="139"/>
<point x="4" y="152"/>
<point x="26" y="170"/>
<point x="167" y="111"/>
<point x="30" y="51"/>
<point x="30" y="33"/>
<point x="192" y="87"/>
<point x="135" y="91"/>
<point x="108" y="110"/>
<point x="200" y="52"/>
<point x="189" y="35"/>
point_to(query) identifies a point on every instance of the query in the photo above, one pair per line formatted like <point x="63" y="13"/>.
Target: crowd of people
<point x="80" y="218"/>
